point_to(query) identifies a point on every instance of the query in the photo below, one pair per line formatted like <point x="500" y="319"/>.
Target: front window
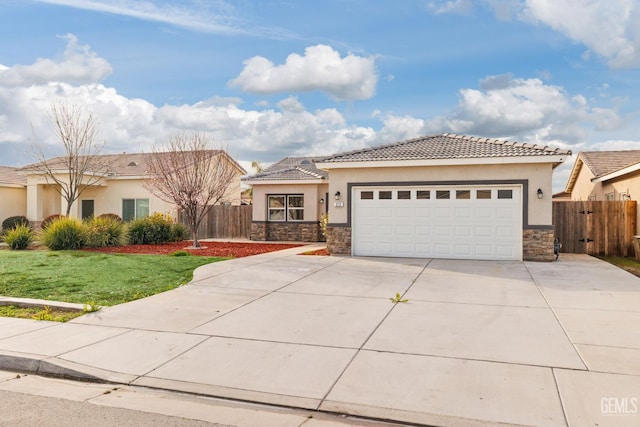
<point x="134" y="209"/>
<point x="286" y="207"/>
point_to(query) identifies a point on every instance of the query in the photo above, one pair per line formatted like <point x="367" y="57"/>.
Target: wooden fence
<point x="225" y="222"/>
<point x="596" y="228"/>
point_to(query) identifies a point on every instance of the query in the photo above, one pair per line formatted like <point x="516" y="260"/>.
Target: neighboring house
<point x="443" y="196"/>
<point x="289" y="197"/>
<point x="13" y="193"/>
<point x="121" y="191"/>
<point x="605" y="175"/>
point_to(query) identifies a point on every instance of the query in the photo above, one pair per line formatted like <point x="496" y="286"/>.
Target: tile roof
<point x="445" y="146"/>
<point x="124" y="164"/>
<point x="291" y="169"/>
<point x="9" y="175"/>
<point x="605" y="162"/>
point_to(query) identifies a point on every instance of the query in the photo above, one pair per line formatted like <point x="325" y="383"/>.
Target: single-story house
<point x="442" y="196"/>
<point x="121" y="190"/>
<point x="289" y="198"/>
<point x="13" y="193"/>
<point x="605" y="175"/>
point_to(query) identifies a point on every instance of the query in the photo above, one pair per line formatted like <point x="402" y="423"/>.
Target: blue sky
<point x="269" y="78"/>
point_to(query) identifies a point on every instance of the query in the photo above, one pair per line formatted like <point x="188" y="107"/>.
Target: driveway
<point x="477" y="342"/>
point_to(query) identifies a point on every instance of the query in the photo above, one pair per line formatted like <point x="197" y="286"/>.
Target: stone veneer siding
<point x="287" y="231"/>
<point x="339" y="240"/>
<point x="537" y="244"/>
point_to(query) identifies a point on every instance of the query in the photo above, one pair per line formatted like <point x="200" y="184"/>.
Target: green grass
<point x="105" y="279"/>
<point x="34" y="312"/>
<point x="632" y="265"/>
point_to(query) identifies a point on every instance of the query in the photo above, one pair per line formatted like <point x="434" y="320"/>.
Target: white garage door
<point x="471" y="222"/>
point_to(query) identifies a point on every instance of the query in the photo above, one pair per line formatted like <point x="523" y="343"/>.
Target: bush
<point x="63" y="234"/>
<point x="48" y="220"/>
<point x="14" y="221"/>
<point x="112" y="216"/>
<point x="103" y="231"/>
<point x="19" y="237"/>
<point x="150" y="230"/>
<point x="179" y="232"/>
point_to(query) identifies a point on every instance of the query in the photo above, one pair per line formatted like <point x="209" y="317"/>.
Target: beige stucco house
<point x="120" y="190"/>
<point x="289" y="198"/>
<point x="13" y="193"/>
<point x="443" y="196"/>
<point x="605" y="175"/>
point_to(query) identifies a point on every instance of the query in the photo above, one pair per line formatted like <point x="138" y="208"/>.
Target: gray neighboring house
<point x="289" y="199"/>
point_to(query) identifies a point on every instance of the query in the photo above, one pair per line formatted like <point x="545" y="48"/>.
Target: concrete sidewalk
<point x="478" y="342"/>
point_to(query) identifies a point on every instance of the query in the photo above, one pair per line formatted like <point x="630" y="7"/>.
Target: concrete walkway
<point x="478" y="342"/>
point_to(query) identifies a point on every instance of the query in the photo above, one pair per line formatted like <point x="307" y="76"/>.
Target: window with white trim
<point x="285" y="207"/>
<point x="134" y="209"/>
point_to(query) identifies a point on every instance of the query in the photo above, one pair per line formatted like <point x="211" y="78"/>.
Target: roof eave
<point x="358" y="164"/>
<point x="617" y="174"/>
<point x="286" y="181"/>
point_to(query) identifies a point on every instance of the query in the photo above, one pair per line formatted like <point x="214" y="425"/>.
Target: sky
<point x="265" y="79"/>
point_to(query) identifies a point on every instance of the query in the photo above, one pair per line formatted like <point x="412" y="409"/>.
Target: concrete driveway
<point x="478" y="342"/>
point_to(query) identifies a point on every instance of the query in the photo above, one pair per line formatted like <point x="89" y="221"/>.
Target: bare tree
<point x="82" y="165"/>
<point x="185" y="171"/>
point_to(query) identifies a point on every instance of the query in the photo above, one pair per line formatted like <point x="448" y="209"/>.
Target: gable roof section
<point x="9" y="177"/>
<point x="122" y="165"/>
<point x="604" y="165"/>
<point x="448" y="147"/>
<point x="291" y="169"/>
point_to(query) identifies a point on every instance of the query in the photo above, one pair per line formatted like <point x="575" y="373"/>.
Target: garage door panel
<point x="461" y="226"/>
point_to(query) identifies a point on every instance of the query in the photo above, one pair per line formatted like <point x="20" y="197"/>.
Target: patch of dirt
<point x="219" y="249"/>
<point x="320" y="252"/>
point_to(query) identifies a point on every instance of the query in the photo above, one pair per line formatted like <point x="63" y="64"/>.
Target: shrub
<point x="48" y="220"/>
<point x="19" y="237"/>
<point x="180" y="253"/>
<point x="103" y="231"/>
<point x="179" y="232"/>
<point x="14" y="221"/>
<point x="150" y="230"/>
<point x="112" y="216"/>
<point x="63" y="234"/>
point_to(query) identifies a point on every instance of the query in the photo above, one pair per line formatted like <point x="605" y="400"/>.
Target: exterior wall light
<point x="322" y="201"/>
<point x="539" y="193"/>
<point x="337" y="195"/>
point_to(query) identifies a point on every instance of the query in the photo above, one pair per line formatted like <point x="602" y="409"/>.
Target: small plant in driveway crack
<point x="90" y="307"/>
<point x="398" y="298"/>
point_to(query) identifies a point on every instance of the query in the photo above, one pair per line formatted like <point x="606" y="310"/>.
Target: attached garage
<point x="443" y="196"/>
<point x="462" y="222"/>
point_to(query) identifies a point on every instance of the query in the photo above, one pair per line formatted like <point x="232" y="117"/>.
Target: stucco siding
<point x="313" y="209"/>
<point x="14" y="202"/>
<point x="536" y="175"/>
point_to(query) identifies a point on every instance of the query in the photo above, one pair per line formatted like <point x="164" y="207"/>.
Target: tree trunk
<point x="194" y="237"/>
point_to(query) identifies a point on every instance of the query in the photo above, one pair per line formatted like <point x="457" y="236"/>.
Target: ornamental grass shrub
<point x="19" y="237"/>
<point x="14" y="221"/>
<point x="153" y="229"/>
<point x="63" y="234"/>
<point x="104" y="230"/>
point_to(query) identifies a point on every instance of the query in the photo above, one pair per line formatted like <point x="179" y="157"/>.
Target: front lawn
<point x="103" y="279"/>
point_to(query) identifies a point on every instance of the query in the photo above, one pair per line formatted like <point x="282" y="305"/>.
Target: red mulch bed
<point x="219" y="249"/>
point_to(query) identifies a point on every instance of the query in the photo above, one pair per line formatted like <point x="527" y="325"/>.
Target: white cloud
<point x="133" y="125"/>
<point x="526" y="109"/>
<point x="76" y="65"/>
<point x="607" y="28"/>
<point x="320" y="68"/>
